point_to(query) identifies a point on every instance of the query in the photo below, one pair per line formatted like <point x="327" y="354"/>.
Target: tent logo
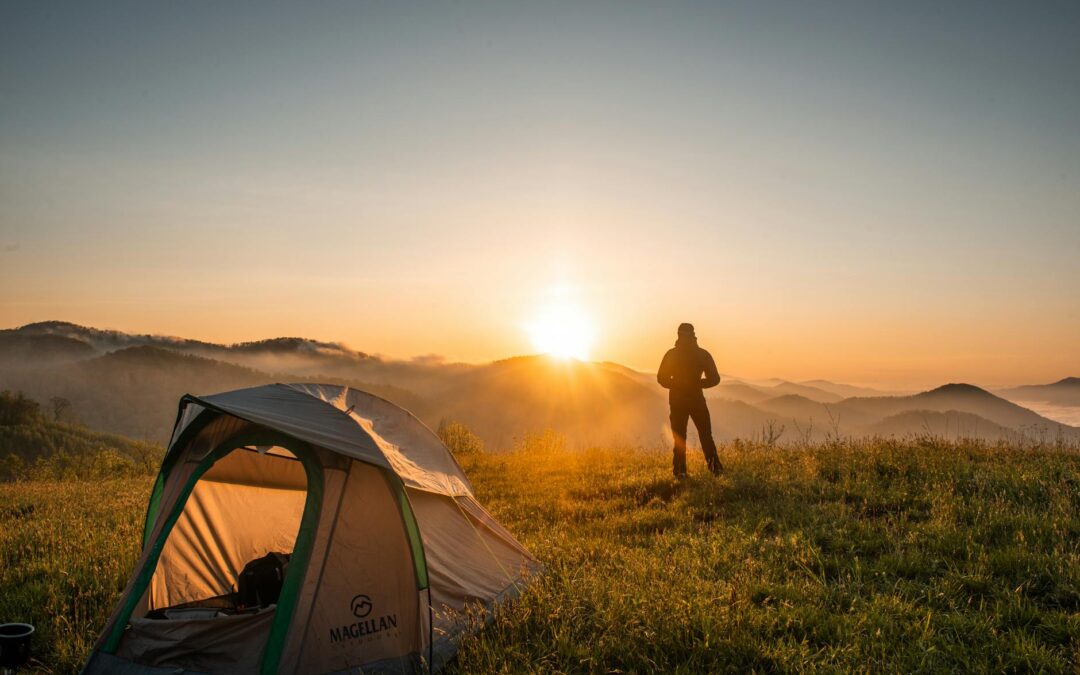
<point x="364" y="627"/>
<point x="361" y="606"/>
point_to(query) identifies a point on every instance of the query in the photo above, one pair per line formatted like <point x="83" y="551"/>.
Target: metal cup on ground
<point x="14" y="645"/>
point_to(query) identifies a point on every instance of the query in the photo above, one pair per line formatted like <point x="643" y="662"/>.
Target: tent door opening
<point x="211" y="601"/>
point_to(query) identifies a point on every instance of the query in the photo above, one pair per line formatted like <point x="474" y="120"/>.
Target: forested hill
<point x="35" y="444"/>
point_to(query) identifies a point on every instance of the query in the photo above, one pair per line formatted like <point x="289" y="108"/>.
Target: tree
<point x="459" y="438"/>
<point x="16" y="408"/>
<point x="61" y="406"/>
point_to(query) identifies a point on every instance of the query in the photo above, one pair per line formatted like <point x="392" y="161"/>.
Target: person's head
<point x="686" y="330"/>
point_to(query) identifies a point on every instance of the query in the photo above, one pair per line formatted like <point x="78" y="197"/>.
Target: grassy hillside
<point x="33" y="446"/>
<point x="868" y="557"/>
<point x="878" y="557"/>
<point x="66" y="549"/>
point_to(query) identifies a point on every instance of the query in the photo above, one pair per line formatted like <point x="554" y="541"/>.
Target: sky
<point x="879" y="193"/>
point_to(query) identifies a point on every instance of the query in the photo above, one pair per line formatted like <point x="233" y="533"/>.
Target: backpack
<point x="259" y="583"/>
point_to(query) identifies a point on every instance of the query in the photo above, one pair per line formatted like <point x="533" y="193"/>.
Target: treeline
<point x="36" y="446"/>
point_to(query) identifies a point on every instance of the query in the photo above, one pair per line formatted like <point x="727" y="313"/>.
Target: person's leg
<point x="680" y="416"/>
<point x="703" y="423"/>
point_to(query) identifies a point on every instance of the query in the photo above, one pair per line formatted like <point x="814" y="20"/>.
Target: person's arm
<point x="712" y="376"/>
<point x="663" y="375"/>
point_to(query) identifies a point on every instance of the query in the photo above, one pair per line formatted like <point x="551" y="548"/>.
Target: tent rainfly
<point x="307" y="528"/>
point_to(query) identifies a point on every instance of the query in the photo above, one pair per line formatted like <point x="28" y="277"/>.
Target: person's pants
<point x="681" y="412"/>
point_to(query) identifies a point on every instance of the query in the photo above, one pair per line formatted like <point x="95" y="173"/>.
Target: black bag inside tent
<point x="259" y="584"/>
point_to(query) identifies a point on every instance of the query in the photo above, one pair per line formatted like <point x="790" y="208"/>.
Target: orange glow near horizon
<point x="823" y="194"/>
<point x="754" y="333"/>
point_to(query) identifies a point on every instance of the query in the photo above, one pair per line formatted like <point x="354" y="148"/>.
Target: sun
<point x="563" y="330"/>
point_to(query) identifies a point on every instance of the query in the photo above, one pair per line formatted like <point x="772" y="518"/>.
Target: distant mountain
<point x="1064" y="392"/>
<point x="17" y="349"/>
<point x="845" y="390"/>
<point x="98" y="339"/>
<point x="590" y="403"/>
<point x="130" y="384"/>
<point x="134" y="391"/>
<point x="959" y="397"/>
<point x="795" y="406"/>
<point x="806" y="391"/>
<point x="951" y="424"/>
<point x="733" y="390"/>
<point x="738" y="390"/>
<point x="956" y="408"/>
<point x="300" y="357"/>
<point x="647" y="380"/>
<point x="103" y="341"/>
<point x="110" y="340"/>
<point x="820" y="417"/>
<point x="737" y="419"/>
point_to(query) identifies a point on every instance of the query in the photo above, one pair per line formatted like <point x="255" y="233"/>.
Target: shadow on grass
<point x="662" y="490"/>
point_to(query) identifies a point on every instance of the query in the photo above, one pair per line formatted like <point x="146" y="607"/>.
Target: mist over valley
<point x="129" y="384"/>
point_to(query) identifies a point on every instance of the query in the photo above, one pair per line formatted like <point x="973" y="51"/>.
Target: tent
<point x="388" y="553"/>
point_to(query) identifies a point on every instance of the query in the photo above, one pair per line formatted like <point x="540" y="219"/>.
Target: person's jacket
<point x="687" y="369"/>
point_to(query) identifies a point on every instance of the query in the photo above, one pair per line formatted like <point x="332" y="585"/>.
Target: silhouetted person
<point x="685" y="371"/>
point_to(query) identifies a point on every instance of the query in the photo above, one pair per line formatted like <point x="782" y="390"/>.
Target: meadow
<point x="855" y="556"/>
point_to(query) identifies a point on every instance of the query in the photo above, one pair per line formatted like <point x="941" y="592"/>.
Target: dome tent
<point x="386" y="546"/>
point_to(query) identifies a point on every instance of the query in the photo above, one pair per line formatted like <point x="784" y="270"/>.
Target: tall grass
<point x="66" y="550"/>
<point x="866" y="556"/>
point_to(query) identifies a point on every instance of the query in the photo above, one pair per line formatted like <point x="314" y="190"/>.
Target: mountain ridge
<point x="132" y="389"/>
<point x="1064" y="392"/>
